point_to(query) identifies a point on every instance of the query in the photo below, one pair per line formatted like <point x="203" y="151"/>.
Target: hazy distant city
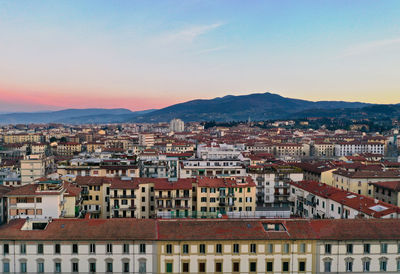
<point x="199" y="137"/>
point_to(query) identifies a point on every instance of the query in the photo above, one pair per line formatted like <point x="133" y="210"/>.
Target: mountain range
<point x="258" y="106"/>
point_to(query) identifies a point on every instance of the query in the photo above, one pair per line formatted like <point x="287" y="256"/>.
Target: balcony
<point x="182" y="206"/>
<point x="126" y="196"/>
<point x="183" y="197"/>
<point x="260" y="194"/>
<point x="282" y="186"/>
<point x="164" y="196"/>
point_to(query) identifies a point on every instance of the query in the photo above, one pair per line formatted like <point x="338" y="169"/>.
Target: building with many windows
<point x="200" y="246"/>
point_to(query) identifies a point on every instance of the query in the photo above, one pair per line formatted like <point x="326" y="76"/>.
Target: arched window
<point x="366" y="261"/>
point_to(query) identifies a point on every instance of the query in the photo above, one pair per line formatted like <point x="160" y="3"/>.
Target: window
<point x="168" y="267"/>
<point x="235" y="248"/>
<point x="218" y="248"/>
<point x="302" y="266"/>
<point x="253" y="266"/>
<point x="75" y="249"/>
<point x="6" y="267"/>
<point x="57" y="267"/>
<point x="185" y="249"/>
<point x="57" y="248"/>
<point x="142" y="248"/>
<point x="75" y="267"/>
<point x="327" y="266"/>
<point x="40" y="267"/>
<point x="383" y="264"/>
<point x="218" y="267"/>
<point x="235" y="267"/>
<point x="285" y="266"/>
<point x="384" y="248"/>
<point x="328" y="248"/>
<point x="398" y="265"/>
<point x="126" y="267"/>
<point x="202" y="267"/>
<point x="270" y="266"/>
<point x="185" y="267"/>
<point x="169" y="248"/>
<point x="92" y="248"/>
<point x="302" y="248"/>
<point x="349" y="266"/>
<point x="109" y="248"/>
<point x="22" y="267"/>
<point x="92" y="267"/>
<point x="202" y="248"/>
<point x="142" y="266"/>
<point x="285" y="248"/>
<point x="270" y="248"/>
<point x="349" y="248"/>
<point x="23" y="248"/>
<point x="40" y="248"/>
<point x="126" y="248"/>
<point x="109" y="267"/>
<point x="367" y="248"/>
<point x="366" y="265"/>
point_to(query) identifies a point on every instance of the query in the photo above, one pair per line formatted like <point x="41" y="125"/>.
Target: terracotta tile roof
<point x="92" y="181"/>
<point x="368" y="173"/>
<point x="164" y="184"/>
<point x="72" y="190"/>
<point x="356" y="201"/>
<point x="83" y="229"/>
<point x="30" y="190"/>
<point x="4" y="190"/>
<point x="393" y="185"/>
<point x="123" y="184"/>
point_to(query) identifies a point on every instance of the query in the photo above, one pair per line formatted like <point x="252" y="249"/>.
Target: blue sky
<point x="145" y="54"/>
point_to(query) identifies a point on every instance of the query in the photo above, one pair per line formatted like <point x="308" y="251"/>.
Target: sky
<point x="151" y="54"/>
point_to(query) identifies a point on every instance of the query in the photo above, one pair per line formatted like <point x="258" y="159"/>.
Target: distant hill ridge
<point x="257" y="106"/>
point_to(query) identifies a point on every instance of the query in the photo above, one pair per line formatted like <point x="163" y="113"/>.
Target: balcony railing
<point x="123" y="196"/>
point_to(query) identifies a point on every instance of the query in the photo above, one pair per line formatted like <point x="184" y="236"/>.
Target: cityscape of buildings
<point x="201" y="137"/>
<point x="179" y="197"/>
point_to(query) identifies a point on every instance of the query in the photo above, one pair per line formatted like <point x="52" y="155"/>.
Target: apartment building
<point x="272" y="183"/>
<point x="176" y="125"/>
<point x="154" y="165"/>
<point x="68" y="149"/>
<point x="44" y="199"/>
<point x="323" y="149"/>
<point x="387" y="192"/>
<point x="219" y="168"/>
<point x="146" y="139"/>
<point x="95" y="195"/>
<point x="357" y="147"/>
<point x="34" y="167"/>
<point x="358" y="181"/>
<point x="122" y="198"/>
<point x="23" y="138"/>
<point x="316" y="200"/>
<point x="223" y="195"/>
<point x="174" y="198"/>
<point x="78" y="245"/>
<point x="200" y="246"/>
